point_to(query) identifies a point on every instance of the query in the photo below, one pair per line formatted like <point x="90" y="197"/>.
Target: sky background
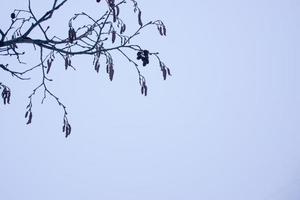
<point x="225" y="126"/>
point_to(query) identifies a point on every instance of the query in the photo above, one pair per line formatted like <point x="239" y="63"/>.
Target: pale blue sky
<point x="225" y="126"/>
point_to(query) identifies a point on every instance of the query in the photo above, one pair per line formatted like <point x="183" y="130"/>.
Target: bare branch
<point x="99" y="37"/>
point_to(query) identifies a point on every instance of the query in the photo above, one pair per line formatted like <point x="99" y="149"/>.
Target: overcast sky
<point x="225" y="126"/>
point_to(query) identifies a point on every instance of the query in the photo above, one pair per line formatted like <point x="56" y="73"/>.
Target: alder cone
<point x="13" y="15"/>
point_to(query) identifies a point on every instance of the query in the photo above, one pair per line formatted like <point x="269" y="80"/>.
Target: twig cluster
<point x="99" y="37"/>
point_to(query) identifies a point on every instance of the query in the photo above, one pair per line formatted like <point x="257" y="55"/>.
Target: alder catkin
<point x="140" y="18"/>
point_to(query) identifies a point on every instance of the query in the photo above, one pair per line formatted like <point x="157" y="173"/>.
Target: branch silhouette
<point x="97" y="38"/>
